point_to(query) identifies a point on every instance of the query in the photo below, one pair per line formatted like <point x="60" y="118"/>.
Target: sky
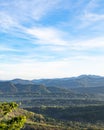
<point x="51" y="38"/>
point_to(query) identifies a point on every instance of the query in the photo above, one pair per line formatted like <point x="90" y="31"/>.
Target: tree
<point x="10" y="123"/>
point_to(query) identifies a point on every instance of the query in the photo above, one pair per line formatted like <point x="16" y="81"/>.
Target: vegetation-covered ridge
<point x="89" y="84"/>
<point x="54" y="118"/>
<point x="9" y="121"/>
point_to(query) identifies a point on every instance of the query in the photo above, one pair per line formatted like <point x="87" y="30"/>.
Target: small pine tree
<point x="15" y="123"/>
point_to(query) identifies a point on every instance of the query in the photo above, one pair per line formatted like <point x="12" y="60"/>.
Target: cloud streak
<point x="24" y="10"/>
<point x="51" y="38"/>
<point x="90" y="15"/>
<point x="47" y="35"/>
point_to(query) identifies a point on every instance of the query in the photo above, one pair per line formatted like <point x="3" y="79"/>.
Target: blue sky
<point x="49" y="39"/>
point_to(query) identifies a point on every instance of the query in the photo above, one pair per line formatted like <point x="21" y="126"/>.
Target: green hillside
<point x="54" y="118"/>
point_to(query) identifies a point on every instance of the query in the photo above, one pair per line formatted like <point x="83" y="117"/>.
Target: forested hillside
<point x="51" y="118"/>
<point x="75" y="103"/>
<point x="89" y="84"/>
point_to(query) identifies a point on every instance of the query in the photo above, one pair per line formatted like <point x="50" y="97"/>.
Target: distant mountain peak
<point x="21" y="81"/>
<point x="89" y="75"/>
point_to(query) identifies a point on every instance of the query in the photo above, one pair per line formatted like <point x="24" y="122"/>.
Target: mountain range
<point x="82" y="84"/>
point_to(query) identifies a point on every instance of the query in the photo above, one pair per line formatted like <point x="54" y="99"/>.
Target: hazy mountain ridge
<point x="83" y="84"/>
<point x="80" y="81"/>
<point x="76" y="82"/>
<point x="9" y="87"/>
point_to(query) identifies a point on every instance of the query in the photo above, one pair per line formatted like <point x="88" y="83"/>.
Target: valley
<point x="78" y="103"/>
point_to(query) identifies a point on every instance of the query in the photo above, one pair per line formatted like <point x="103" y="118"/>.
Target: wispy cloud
<point x="47" y="35"/>
<point x="59" y="68"/>
<point x="91" y="43"/>
<point x="45" y="38"/>
<point x="25" y="11"/>
<point x="93" y="17"/>
<point x="16" y="15"/>
<point x="8" y="48"/>
<point x="90" y="15"/>
<point x="6" y="22"/>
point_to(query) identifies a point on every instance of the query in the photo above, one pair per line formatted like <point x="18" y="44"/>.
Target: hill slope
<point x="74" y="82"/>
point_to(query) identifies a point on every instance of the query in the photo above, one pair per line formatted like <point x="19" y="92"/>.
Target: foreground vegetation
<point x="8" y="122"/>
<point x="51" y="118"/>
